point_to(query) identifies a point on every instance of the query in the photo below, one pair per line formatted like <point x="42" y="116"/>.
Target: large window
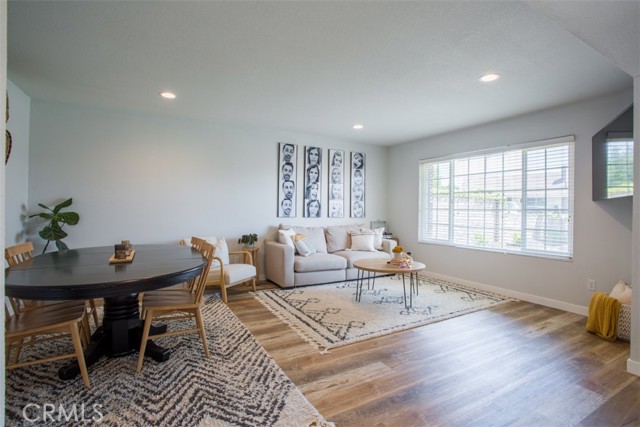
<point x="516" y="199"/>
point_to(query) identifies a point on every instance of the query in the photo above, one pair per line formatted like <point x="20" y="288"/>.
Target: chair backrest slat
<point x="207" y="251"/>
<point x="15" y="255"/>
<point x="197" y="243"/>
<point x="18" y="253"/>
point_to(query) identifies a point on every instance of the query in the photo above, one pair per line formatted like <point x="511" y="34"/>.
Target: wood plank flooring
<point x="517" y="364"/>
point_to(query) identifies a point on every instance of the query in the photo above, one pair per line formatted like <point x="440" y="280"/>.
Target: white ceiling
<point x="406" y="70"/>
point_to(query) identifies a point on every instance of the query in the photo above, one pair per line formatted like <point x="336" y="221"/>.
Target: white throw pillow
<point x="377" y="236"/>
<point x="222" y="250"/>
<point x="362" y="242"/>
<point x="303" y="245"/>
<point x="285" y="237"/>
<point x="622" y="292"/>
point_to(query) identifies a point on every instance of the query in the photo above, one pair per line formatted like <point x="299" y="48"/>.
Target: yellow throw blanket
<point x="603" y="316"/>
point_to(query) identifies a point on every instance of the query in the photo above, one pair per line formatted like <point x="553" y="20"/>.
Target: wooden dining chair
<point x="195" y="243"/>
<point x="22" y="252"/>
<point x="19" y="253"/>
<point x="168" y="305"/>
<point x="226" y="275"/>
<point x="50" y="323"/>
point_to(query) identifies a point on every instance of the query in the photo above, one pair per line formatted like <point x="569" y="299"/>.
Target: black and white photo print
<point x="358" y="168"/>
<point x="312" y="180"/>
<point x="287" y="167"/>
<point x="336" y="184"/>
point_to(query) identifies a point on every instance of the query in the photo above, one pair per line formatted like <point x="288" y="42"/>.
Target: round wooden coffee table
<point x="383" y="266"/>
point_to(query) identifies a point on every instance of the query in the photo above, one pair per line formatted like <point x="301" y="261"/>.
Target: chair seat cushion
<point x="233" y="273"/>
<point x="352" y="256"/>
<point x="318" y="262"/>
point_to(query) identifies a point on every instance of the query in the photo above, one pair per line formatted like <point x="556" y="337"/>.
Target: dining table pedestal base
<point x="119" y="335"/>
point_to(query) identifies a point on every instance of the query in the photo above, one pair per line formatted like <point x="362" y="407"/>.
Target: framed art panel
<point x="336" y="184"/>
<point x="287" y="169"/>
<point x="358" y="169"/>
<point x="312" y="180"/>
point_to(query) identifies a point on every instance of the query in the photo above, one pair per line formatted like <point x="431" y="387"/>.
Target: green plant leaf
<point x="70" y="218"/>
<point x="62" y="205"/>
<point x="52" y="232"/>
<point x="45" y="215"/>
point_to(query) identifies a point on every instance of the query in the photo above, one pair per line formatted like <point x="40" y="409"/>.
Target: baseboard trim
<point x="633" y="367"/>
<point x="548" y="302"/>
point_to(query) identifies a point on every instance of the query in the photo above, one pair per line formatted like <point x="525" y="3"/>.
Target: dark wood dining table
<point x="86" y="273"/>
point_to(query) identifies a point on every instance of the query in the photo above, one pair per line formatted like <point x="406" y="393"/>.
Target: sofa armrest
<point x="388" y="245"/>
<point x="279" y="263"/>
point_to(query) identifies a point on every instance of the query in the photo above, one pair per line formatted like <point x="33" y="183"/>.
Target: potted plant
<point x="248" y="240"/>
<point x="53" y="230"/>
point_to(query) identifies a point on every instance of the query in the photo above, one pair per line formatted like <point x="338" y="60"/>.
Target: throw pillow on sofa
<point x="303" y="245"/>
<point x="362" y="241"/>
<point x="377" y="236"/>
<point x="315" y="235"/>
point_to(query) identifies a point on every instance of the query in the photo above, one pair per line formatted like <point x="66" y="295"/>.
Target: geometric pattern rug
<point x="328" y="316"/>
<point x="238" y="385"/>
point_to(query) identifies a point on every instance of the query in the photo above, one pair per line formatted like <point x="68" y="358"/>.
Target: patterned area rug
<point x="328" y="316"/>
<point x="239" y="385"/>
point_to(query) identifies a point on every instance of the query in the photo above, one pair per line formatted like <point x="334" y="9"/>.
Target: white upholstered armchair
<point x="225" y="274"/>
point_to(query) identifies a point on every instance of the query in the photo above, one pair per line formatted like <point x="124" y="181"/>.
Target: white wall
<point x="154" y="179"/>
<point x="17" y="168"/>
<point x="3" y="88"/>
<point x="633" y="363"/>
<point x="602" y="230"/>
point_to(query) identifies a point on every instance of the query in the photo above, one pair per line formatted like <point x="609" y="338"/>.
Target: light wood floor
<point x="518" y="364"/>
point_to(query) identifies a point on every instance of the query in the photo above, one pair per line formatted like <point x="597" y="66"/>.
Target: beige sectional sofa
<point x="333" y="258"/>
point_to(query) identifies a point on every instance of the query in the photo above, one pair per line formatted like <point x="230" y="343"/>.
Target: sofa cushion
<point x="318" y="262"/>
<point x="338" y="238"/>
<point x="315" y="236"/>
<point x="352" y="256"/>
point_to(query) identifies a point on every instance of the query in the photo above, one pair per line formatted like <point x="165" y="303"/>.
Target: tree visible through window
<point x="512" y="200"/>
<point x="619" y="167"/>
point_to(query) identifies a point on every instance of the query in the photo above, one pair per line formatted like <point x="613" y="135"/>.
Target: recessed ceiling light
<point x="491" y="77"/>
<point x="358" y="126"/>
<point x="167" y="94"/>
